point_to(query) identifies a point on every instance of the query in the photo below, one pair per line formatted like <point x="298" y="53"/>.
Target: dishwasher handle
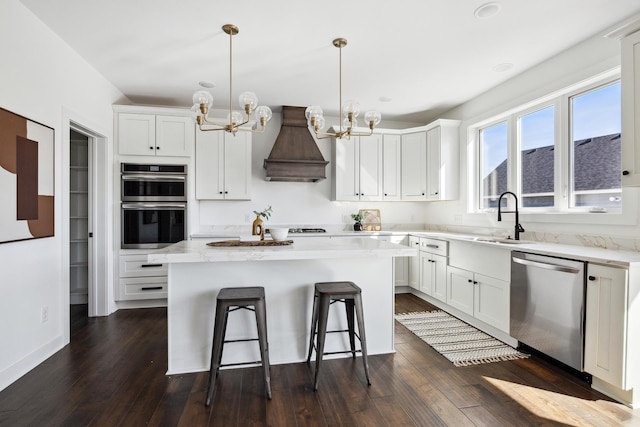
<point x="545" y="265"/>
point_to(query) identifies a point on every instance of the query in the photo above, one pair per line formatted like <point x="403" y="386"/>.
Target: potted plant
<point x="358" y="217"/>
<point x="258" y="225"/>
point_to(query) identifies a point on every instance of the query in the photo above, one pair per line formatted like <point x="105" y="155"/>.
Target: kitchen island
<point x="288" y="273"/>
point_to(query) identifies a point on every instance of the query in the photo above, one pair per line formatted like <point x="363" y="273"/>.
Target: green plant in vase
<point x="358" y="217"/>
<point x="258" y="225"/>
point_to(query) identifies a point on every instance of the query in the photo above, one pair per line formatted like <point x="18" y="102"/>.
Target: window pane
<point x="596" y="125"/>
<point x="493" y="164"/>
<point x="537" y="157"/>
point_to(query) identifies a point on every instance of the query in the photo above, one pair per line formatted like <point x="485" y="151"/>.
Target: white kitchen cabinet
<point x="414" y="264"/>
<point x="155" y="135"/>
<point x="483" y="297"/>
<point x="223" y="165"/>
<point x="630" y="78"/>
<point x="605" y="349"/>
<point x="443" y="160"/>
<point x="391" y="167"/>
<point x="358" y="168"/>
<point x="433" y="268"/>
<point x="414" y="166"/>
<point x="140" y="279"/>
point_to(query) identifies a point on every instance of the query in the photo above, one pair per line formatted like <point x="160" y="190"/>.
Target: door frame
<point x="100" y="292"/>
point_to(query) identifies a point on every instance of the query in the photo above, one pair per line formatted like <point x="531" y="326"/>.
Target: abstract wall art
<point x="26" y="178"/>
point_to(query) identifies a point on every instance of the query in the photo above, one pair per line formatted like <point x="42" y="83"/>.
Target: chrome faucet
<point x="518" y="227"/>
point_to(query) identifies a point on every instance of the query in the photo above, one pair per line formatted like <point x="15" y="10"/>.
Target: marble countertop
<point x="584" y="253"/>
<point x="198" y="251"/>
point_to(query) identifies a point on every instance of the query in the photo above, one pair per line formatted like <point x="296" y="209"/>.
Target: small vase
<point x="258" y="228"/>
<point x="357" y="226"/>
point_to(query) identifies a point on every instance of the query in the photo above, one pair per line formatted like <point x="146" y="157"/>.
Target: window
<point x="493" y="163"/>
<point x="559" y="154"/>
<point x="596" y="177"/>
<point x="537" y="153"/>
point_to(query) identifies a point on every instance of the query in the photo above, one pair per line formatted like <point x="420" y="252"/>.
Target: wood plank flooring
<point x="113" y="374"/>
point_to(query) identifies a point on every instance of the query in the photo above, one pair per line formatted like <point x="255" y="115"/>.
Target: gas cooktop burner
<point x="304" y="230"/>
<point x="307" y="230"/>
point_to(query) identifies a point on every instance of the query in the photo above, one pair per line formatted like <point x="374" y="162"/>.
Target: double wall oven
<point x="154" y="205"/>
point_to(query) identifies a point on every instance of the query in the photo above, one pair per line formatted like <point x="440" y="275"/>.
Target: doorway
<point x="80" y="217"/>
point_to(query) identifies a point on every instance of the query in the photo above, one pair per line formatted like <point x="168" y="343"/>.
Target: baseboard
<point x="626" y="397"/>
<point x="11" y="374"/>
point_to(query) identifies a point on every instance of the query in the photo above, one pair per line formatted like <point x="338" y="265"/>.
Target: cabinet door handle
<point x="475" y="283"/>
<point x="150" y="148"/>
<point x="625" y="173"/>
<point x="592" y="278"/>
<point x="151" y="288"/>
<point x="385" y="194"/>
<point x="150" y="265"/>
<point x="469" y="280"/>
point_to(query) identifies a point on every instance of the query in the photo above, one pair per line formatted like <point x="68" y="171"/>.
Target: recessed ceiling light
<point x="385" y="99"/>
<point x="206" y="84"/>
<point x="487" y="10"/>
<point x="501" y="68"/>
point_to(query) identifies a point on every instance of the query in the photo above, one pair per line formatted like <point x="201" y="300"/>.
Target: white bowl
<point x="278" y="234"/>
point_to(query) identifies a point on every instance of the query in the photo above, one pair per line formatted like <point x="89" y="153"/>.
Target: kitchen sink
<point x="502" y="241"/>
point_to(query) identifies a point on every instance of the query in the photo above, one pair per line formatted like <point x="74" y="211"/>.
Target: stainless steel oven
<point x="154" y="205"/>
<point x="153" y="225"/>
<point x="153" y="183"/>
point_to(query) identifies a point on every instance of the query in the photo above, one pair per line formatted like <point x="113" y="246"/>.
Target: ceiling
<point x="410" y="59"/>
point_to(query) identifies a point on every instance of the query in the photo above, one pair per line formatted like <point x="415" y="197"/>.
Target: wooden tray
<point x="236" y="243"/>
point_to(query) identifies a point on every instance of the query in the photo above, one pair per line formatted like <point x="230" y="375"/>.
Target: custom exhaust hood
<point x="295" y="156"/>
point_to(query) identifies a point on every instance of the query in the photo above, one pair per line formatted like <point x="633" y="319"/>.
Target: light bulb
<point x="319" y="124"/>
<point x="203" y="97"/>
<point x="372" y="118"/>
<point x="349" y="124"/>
<point x="264" y="112"/>
<point x="234" y="118"/>
<point x="248" y="98"/>
<point x="351" y="106"/>
<point x="313" y="111"/>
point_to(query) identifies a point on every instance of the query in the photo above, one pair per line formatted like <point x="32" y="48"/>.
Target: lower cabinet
<point x="140" y="279"/>
<point x="483" y="297"/>
<point x="433" y="273"/>
<point x="606" y="328"/>
<point x="414" y="264"/>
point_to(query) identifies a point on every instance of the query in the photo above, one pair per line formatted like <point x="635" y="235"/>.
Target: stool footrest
<point x="341" y="352"/>
<point x="242" y="340"/>
<point x="256" y="363"/>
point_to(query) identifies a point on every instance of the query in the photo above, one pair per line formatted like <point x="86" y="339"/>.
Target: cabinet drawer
<point x="433" y="246"/>
<point x="143" y="288"/>
<point x="138" y="266"/>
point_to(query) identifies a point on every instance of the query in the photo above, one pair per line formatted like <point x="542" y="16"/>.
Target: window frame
<point x="563" y="172"/>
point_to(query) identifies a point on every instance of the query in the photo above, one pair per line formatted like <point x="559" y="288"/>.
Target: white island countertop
<point x="189" y="251"/>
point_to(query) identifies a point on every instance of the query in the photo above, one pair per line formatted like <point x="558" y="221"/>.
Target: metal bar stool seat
<point x="232" y="299"/>
<point x="327" y="293"/>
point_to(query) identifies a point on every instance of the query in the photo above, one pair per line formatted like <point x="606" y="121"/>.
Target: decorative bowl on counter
<point x="278" y="234"/>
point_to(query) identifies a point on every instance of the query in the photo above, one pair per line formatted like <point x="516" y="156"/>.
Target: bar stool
<point x="327" y="293"/>
<point x="232" y="299"/>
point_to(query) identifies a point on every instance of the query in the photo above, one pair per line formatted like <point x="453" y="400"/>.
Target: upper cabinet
<point x="630" y="77"/>
<point x="223" y="165"/>
<point x="358" y="168"/>
<point x="155" y="135"/>
<point x="391" y="167"/>
<point x="430" y="159"/>
<point x="414" y="166"/>
<point x="443" y="160"/>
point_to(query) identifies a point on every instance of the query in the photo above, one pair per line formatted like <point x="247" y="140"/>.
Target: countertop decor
<point x="236" y="243"/>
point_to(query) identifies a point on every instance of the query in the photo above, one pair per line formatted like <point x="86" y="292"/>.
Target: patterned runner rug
<point x="456" y="340"/>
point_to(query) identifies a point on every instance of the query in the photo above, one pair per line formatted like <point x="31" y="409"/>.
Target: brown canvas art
<point x="26" y="178"/>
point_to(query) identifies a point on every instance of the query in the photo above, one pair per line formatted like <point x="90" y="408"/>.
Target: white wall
<point x="589" y="58"/>
<point x="42" y="79"/>
<point x="300" y="203"/>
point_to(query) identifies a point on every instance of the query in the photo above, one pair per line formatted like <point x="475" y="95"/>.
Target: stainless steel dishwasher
<point x="547" y="305"/>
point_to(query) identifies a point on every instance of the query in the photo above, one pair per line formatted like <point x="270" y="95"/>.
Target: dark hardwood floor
<point x="113" y="373"/>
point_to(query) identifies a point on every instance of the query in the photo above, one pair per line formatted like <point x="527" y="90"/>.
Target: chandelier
<point x="202" y="101"/>
<point x="350" y="109"/>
